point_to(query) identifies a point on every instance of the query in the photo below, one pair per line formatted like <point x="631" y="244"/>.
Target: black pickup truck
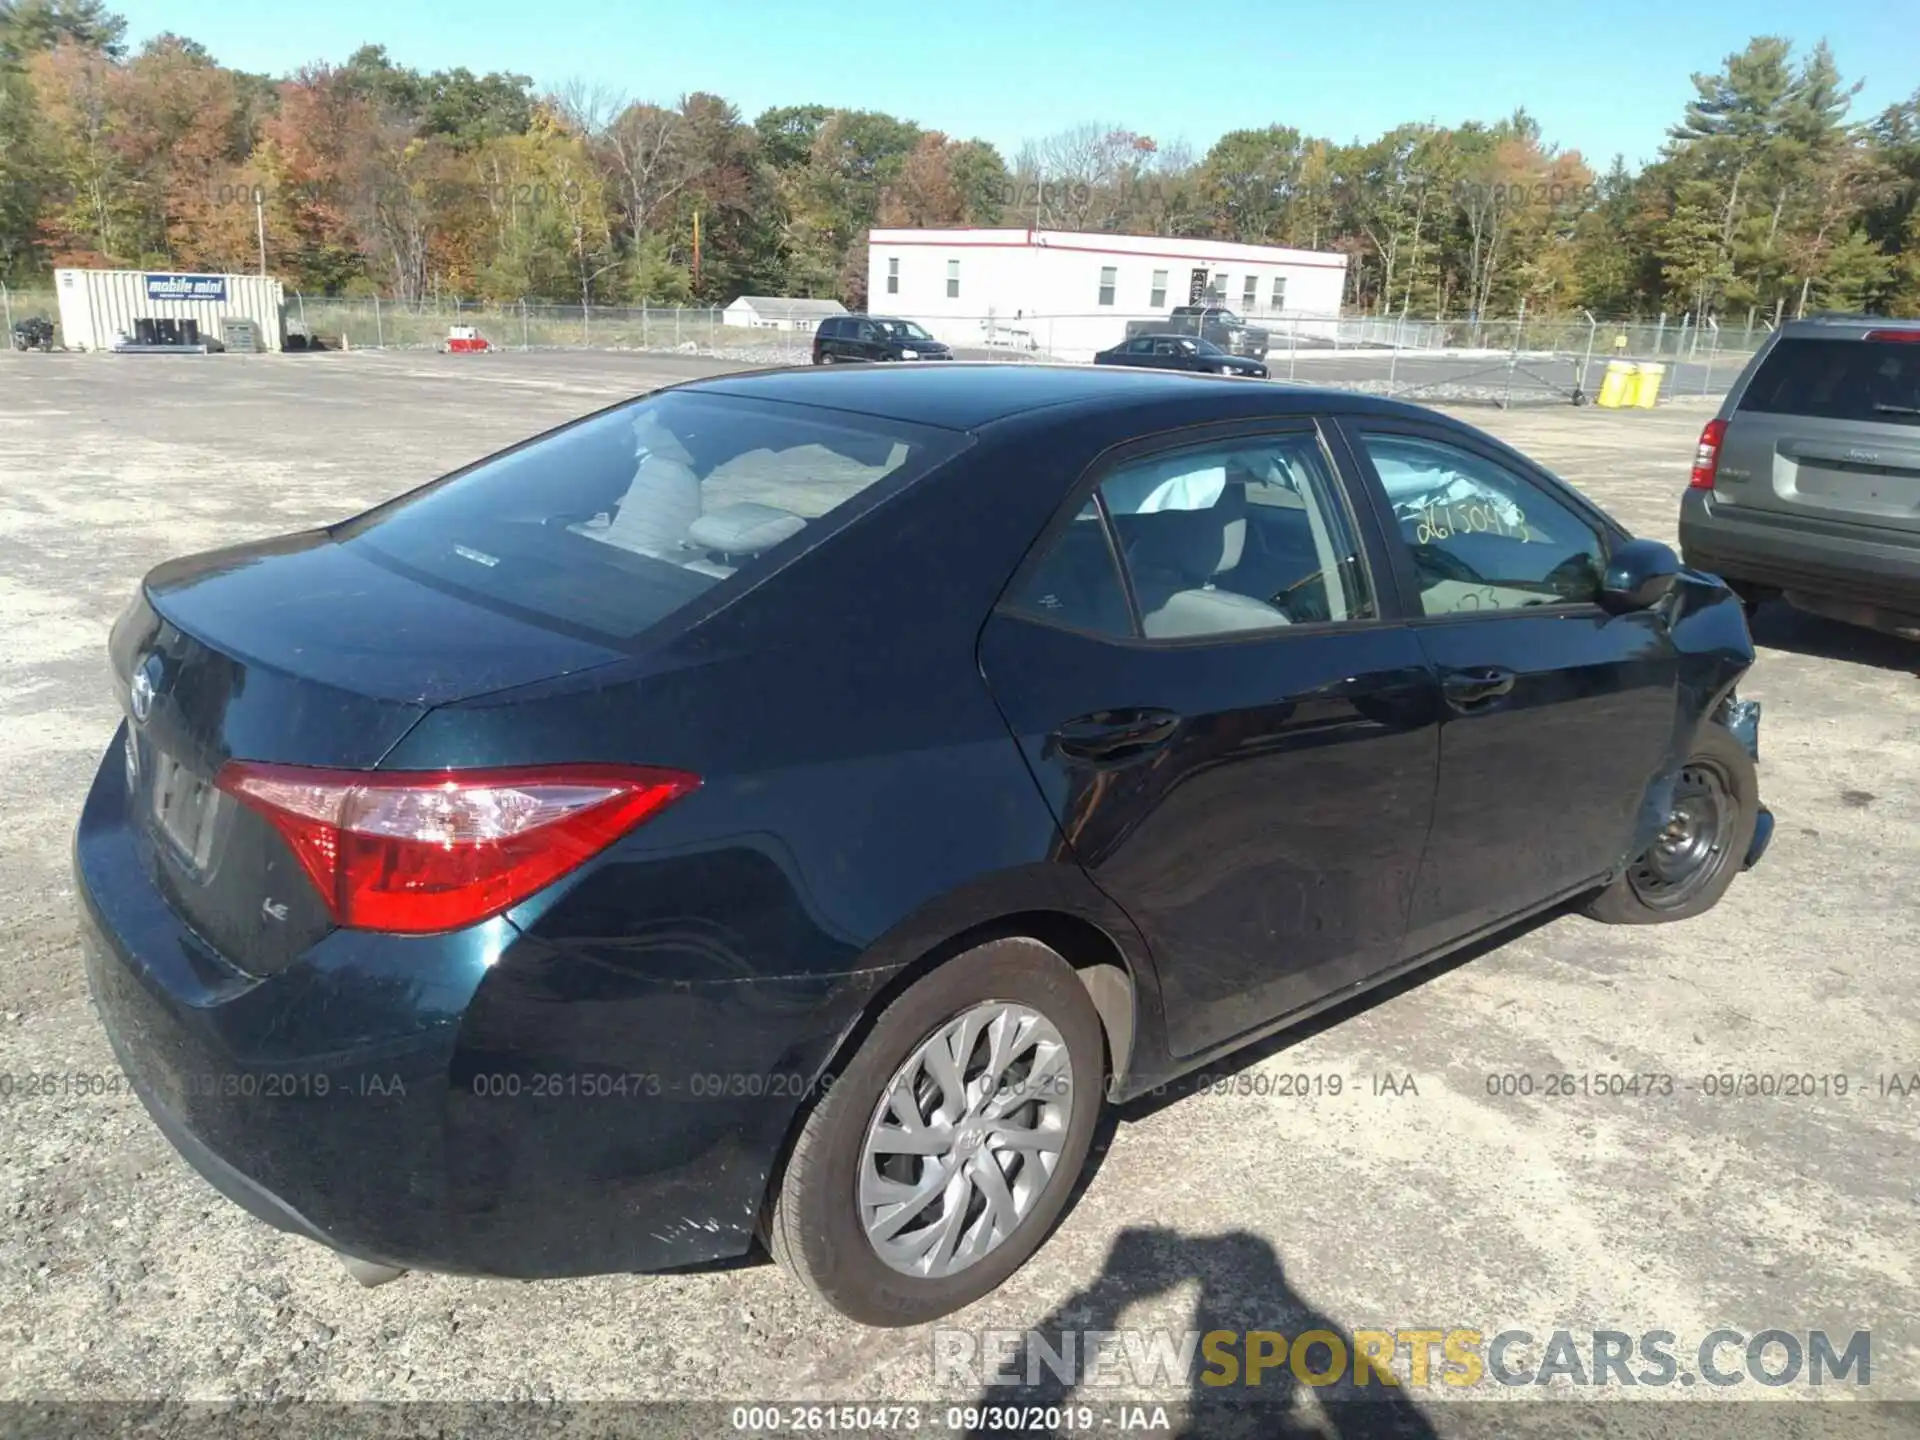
<point x="1209" y="322"/>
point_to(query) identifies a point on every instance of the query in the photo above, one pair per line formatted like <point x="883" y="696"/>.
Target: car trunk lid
<point x="293" y="651"/>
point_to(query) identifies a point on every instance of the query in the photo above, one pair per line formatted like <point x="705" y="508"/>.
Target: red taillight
<point x="419" y="852"/>
<point x="1706" y="459"/>
<point x="1898" y="337"/>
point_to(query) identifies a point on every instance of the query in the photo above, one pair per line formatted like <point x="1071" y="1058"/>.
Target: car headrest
<point x="745" y="528"/>
<point x="1196" y="544"/>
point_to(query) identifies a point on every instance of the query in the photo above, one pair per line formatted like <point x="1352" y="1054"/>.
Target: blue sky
<point x="1602" y="79"/>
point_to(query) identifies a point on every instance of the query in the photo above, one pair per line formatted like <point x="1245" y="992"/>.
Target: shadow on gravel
<point x="1243" y="1285"/>
<point x="1776" y="625"/>
<point x="1243" y="1288"/>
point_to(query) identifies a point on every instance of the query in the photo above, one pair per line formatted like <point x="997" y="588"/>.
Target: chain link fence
<point x="360" y="324"/>
<point x="1513" y="360"/>
<point x="1504" y="361"/>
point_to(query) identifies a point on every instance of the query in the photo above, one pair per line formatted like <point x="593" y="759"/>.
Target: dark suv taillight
<point x="1706" y="458"/>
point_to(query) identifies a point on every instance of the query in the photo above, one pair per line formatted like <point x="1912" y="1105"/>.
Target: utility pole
<point x="260" y="224"/>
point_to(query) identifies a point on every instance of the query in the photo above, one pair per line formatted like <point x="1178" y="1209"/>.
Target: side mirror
<point x="1640" y="574"/>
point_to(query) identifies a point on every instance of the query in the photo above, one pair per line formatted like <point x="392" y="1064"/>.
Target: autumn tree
<point x="30" y="27"/>
<point x="1768" y="196"/>
<point x="1251" y="179"/>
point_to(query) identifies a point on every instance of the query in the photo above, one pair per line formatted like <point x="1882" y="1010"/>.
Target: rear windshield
<point x="1874" y="380"/>
<point x="616" y="521"/>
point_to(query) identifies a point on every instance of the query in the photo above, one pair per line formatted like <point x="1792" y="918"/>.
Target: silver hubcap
<point x="965" y="1139"/>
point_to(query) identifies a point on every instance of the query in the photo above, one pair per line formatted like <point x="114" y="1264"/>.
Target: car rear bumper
<point x="1860" y="569"/>
<point x="420" y="1102"/>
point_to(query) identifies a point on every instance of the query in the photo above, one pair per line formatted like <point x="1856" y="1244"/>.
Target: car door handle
<point x="1114" y="736"/>
<point x="1468" y="690"/>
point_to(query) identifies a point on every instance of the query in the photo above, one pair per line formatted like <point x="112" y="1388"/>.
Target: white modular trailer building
<point x="1070" y="293"/>
<point x="771" y="312"/>
<point x="101" y="307"/>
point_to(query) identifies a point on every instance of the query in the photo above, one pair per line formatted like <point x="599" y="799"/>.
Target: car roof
<point x="1833" y="323"/>
<point x="963" y="395"/>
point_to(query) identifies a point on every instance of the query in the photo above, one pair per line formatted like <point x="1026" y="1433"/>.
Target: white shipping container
<point x="99" y="307"/>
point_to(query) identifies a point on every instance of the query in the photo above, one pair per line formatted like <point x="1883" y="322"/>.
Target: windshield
<point x="614" y="522"/>
<point x="1205" y="347"/>
<point x="903" y="330"/>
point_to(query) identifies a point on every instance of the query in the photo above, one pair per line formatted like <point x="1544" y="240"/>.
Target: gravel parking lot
<point x="1432" y="1203"/>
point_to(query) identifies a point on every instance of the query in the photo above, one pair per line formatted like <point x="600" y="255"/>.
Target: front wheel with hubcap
<point x="945" y="1150"/>
<point x="1709" y="829"/>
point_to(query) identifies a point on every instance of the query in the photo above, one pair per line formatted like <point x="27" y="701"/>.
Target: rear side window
<point x="1077" y="582"/>
<point x="1224" y="539"/>
<point x="1872" y="380"/>
<point x="1239" y="536"/>
<point x="611" y="524"/>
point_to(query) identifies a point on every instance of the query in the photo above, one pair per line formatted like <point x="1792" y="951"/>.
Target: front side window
<point x="953" y="279"/>
<point x="1109" y="278"/>
<point x="612" y="523"/>
<point x="1483" y="538"/>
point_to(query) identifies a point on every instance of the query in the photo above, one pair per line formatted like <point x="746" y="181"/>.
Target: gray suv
<point x="1807" y="483"/>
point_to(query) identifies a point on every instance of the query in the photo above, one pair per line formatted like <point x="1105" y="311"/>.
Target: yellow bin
<point x="1647" y="388"/>
<point x="1617" y="388"/>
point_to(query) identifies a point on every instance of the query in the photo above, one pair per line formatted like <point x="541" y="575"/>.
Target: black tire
<point x="1751" y="596"/>
<point x="1637" y="898"/>
<point x="814" y="1228"/>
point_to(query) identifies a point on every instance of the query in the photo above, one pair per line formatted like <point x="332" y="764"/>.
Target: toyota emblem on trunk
<point x="142" y="689"/>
